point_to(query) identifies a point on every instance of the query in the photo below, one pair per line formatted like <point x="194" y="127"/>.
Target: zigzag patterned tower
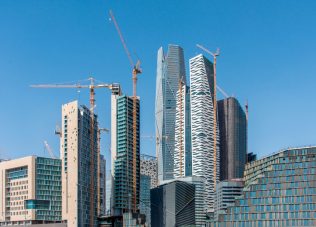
<point x="202" y="123"/>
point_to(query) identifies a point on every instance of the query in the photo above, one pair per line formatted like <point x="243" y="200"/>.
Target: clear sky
<point x="267" y="57"/>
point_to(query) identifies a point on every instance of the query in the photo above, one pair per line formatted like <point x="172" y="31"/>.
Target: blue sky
<point x="267" y="57"/>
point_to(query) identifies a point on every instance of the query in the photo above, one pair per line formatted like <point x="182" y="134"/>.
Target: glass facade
<point x="173" y="204"/>
<point x="170" y="69"/>
<point x="233" y="138"/>
<point x="17" y="173"/>
<point x="280" y="191"/>
<point x="37" y="204"/>
<point x="226" y="194"/>
<point x="86" y="179"/>
<point x="123" y="170"/>
<point x="144" y="204"/>
<point x="48" y="189"/>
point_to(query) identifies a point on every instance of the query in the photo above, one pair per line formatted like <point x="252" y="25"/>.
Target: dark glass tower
<point x="233" y="138"/>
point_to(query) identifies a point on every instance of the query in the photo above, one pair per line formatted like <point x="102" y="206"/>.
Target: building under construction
<point x="126" y="185"/>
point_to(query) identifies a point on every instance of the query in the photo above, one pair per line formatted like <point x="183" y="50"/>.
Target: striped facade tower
<point x="182" y="150"/>
<point x="202" y="123"/>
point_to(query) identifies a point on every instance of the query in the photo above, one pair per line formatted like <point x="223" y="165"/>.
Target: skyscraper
<point x="204" y="163"/>
<point x="126" y="191"/>
<point x="30" y="191"/>
<point x="78" y="150"/>
<point x="170" y="69"/>
<point x="115" y="95"/>
<point x="182" y="150"/>
<point x="233" y="138"/>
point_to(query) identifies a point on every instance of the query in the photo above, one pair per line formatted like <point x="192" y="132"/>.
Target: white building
<point x="182" y="150"/>
<point x="202" y="126"/>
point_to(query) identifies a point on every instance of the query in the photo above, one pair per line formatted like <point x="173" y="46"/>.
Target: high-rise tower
<point x="182" y="150"/>
<point x="233" y="138"/>
<point x="123" y="165"/>
<point x="76" y="155"/>
<point x="170" y="69"/>
<point x="202" y="123"/>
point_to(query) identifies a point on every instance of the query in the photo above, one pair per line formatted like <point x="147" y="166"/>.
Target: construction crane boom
<point x="215" y="110"/>
<point x="49" y="149"/>
<point x="122" y="39"/>
<point x="72" y="86"/>
<point x="222" y="91"/>
<point x="135" y="71"/>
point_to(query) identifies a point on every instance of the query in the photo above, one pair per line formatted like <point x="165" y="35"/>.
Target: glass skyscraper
<point x="170" y="69"/>
<point x="233" y="138"/>
<point x="125" y="197"/>
<point x="280" y="190"/>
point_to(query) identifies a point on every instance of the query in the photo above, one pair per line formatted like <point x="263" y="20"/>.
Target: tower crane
<point x="215" y="108"/>
<point x="135" y="71"/>
<point x="115" y="88"/>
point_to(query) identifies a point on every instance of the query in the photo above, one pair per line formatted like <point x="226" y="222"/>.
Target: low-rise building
<point x="173" y="204"/>
<point x="226" y="193"/>
<point x="280" y="190"/>
<point x="30" y="191"/>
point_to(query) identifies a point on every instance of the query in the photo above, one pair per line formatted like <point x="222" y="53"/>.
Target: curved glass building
<point x="280" y="191"/>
